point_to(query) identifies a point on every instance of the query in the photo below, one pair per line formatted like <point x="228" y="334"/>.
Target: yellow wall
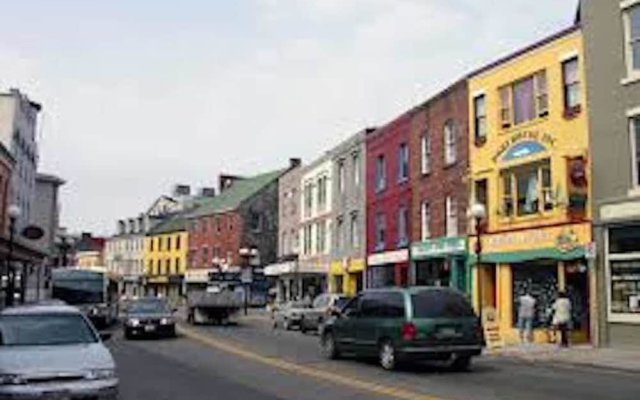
<point x="162" y="254"/>
<point x="561" y="136"/>
<point x="89" y="259"/>
<point x="349" y="276"/>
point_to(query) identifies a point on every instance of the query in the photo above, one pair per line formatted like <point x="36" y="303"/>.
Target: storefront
<point x="440" y="262"/>
<point x="387" y="269"/>
<point x="157" y="286"/>
<point x="346" y="276"/>
<point x="541" y="262"/>
<point x="622" y="281"/>
<point x="295" y="281"/>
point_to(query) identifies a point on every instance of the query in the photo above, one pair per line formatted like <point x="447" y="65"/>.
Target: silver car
<point x="323" y="305"/>
<point x="53" y="351"/>
<point x="288" y="315"/>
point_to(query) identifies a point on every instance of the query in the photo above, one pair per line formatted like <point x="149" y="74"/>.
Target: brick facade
<point x="441" y="180"/>
<point x="214" y="236"/>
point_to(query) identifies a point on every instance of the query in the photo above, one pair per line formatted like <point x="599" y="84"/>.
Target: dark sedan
<point x="149" y="317"/>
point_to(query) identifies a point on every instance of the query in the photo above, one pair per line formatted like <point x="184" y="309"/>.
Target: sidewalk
<point x="581" y="355"/>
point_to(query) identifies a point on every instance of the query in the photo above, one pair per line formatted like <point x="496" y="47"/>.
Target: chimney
<point x="180" y="190"/>
<point x="207" y="192"/>
<point x="121" y="227"/>
<point x="295" y="163"/>
<point x="225" y="181"/>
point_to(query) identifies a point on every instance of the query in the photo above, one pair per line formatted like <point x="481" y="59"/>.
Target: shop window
<point x="541" y="281"/>
<point x="527" y="189"/>
<point x="625" y="287"/>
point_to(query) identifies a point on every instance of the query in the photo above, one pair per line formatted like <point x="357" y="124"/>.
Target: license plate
<point x="149" y="328"/>
<point x="448" y="332"/>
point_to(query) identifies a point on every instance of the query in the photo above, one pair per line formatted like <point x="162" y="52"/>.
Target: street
<point x="251" y="361"/>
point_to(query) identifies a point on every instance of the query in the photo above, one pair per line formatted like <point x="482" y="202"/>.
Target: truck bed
<point x="225" y="299"/>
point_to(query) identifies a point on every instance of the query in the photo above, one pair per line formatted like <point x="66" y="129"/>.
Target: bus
<point x="92" y="289"/>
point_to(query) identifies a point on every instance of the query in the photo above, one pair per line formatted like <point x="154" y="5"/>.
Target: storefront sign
<point x="438" y="248"/>
<point x="388" y="257"/>
<point x="279" y="269"/>
<point x="565" y="238"/>
<point x="523" y="144"/>
<point x="198" y="275"/>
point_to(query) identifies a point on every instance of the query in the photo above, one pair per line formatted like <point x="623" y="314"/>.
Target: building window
<point x="451" y="216"/>
<point x="425" y="220"/>
<point x="178" y="242"/>
<point x="321" y="235"/>
<point x="341" y="176"/>
<point x="403" y="228"/>
<point x="635" y="142"/>
<point x="219" y="224"/>
<point x="403" y="163"/>
<point x="524" y="100"/>
<point x="480" y="119"/>
<point x="632" y="34"/>
<point x="322" y="193"/>
<point x="450" y="151"/>
<point x="353" y="231"/>
<point x="205" y="256"/>
<point x="308" y="231"/>
<point x="381" y="173"/>
<point x="571" y="85"/>
<point x="425" y="150"/>
<point x="527" y="189"/>
<point x="256" y="222"/>
<point x="167" y="267"/>
<point x="308" y="199"/>
<point x="169" y="243"/>
<point x="151" y="241"/>
<point x="177" y="266"/>
<point x="355" y="161"/>
<point x="339" y="233"/>
<point x="481" y="194"/>
<point x="381" y="229"/>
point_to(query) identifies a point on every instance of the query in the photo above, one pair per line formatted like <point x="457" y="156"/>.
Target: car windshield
<point x="45" y="330"/>
<point x="149" y="307"/>
<point x="440" y="304"/>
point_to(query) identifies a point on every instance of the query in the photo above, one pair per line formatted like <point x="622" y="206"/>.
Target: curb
<point x="568" y="363"/>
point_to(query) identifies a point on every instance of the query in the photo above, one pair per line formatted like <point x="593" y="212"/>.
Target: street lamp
<point x="13" y="211"/>
<point x="478" y="213"/>
<point x="63" y="241"/>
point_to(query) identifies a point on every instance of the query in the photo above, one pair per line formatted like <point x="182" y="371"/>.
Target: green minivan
<point x="399" y="325"/>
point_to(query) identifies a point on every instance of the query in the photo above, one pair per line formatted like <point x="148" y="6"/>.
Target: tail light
<point x="409" y="331"/>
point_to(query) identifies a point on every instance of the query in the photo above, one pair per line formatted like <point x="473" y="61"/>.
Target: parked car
<point x="402" y="325"/>
<point x="289" y="314"/>
<point x="320" y="311"/>
<point x="53" y="351"/>
<point x="150" y="316"/>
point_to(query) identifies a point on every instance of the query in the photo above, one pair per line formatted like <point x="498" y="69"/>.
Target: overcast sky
<point x="139" y="95"/>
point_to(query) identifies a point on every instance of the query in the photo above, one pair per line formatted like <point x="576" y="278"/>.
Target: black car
<point x="149" y="317"/>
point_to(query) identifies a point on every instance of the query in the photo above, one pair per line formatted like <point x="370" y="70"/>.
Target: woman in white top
<point x="562" y="317"/>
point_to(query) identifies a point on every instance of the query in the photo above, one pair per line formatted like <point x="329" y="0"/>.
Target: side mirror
<point x="105" y="336"/>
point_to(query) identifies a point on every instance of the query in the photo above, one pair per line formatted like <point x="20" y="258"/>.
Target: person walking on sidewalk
<point x="562" y="317"/>
<point x="526" y="311"/>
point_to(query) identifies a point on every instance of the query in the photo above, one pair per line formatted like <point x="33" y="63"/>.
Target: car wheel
<point x="461" y="363"/>
<point x="303" y="326"/>
<point x="127" y="334"/>
<point x="172" y="332"/>
<point x="329" y="346"/>
<point x="387" y="355"/>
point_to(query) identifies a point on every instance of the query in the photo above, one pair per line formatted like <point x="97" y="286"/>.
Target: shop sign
<point x="439" y="247"/>
<point x="198" y="275"/>
<point x="523" y="144"/>
<point x="388" y="257"/>
<point x="279" y="269"/>
<point x="565" y="238"/>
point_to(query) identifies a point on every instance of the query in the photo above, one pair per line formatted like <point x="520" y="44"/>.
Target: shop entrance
<point x="434" y="272"/>
<point x="487" y="285"/>
<point x="577" y="287"/>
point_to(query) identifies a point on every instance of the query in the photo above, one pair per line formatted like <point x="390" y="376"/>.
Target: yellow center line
<point x="299" y="369"/>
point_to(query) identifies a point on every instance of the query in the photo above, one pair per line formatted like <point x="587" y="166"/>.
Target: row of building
<point x="29" y="203"/>
<point x="541" y="144"/>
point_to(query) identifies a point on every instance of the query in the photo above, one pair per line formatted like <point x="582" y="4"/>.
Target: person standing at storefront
<point x="562" y="317"/>
<point x="526" y="312"/>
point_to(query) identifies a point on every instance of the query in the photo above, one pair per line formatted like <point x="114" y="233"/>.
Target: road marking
<point x="299" y="369"/>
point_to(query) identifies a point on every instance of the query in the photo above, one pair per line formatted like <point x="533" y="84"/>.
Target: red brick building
<point x="439" y="165"/>
<point x="6" y="167"/>
<point x="389" y="203"/>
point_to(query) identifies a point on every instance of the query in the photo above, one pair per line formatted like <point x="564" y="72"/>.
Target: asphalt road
<point x="251" y="361"/>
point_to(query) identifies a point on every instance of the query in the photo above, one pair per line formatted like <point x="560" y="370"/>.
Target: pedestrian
<point x="526" y="312"/>
<point x="562" y="317"/>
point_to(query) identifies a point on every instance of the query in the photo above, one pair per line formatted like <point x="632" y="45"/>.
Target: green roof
<point x="175" y="223"/>
<point x="233" y="197"/>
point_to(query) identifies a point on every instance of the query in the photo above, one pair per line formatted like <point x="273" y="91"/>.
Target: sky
<point x="140" y="95"/>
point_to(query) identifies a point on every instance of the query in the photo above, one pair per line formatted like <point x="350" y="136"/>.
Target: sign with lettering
<point x="532" y="142"/>
<point x="439" y="248"/>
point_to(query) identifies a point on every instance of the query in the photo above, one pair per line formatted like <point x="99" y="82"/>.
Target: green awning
<point x="530" y="255"/>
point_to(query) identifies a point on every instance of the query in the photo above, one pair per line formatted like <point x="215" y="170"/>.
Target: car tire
<point x="387" y="355"/>
<point x="329" y="346"/>
<point x="127" y="334"/>
<point x="172" y="333"/>
<point x="461" y="363"/>
<point x="303" y="326"/>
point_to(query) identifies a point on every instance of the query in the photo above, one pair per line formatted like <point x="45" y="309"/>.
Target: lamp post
<point x="13" y="211"/>
<point x="478" y="213"/>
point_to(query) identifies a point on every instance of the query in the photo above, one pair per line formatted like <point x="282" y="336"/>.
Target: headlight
<point x="97" y="374"/>
<point x="166" y="321"/>
<point x="93" y="311"/>
<point x="11" y="379"/>
<point x="134" y="322"/>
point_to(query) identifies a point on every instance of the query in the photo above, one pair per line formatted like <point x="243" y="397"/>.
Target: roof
<point x="525" y="50"/>
<point x="40" y="308"/>
<point x="174" y="223"/>
<point x="232" y="198"/>
<point x="50" y="179"/>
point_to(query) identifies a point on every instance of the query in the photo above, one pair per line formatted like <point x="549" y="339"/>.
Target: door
<point x="382" y="314"/>
<point x="345" y="325"/>
<point x="577" y="288"/>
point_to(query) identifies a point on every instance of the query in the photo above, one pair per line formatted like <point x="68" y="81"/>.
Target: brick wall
<point x="204" y="234"/>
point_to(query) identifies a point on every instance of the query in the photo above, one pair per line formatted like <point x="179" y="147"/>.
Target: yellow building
<point x="165" y="258"/>
<point x="529" y="155"/>
<point x="89" y="258"/>
<point x="345" y="276"/>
